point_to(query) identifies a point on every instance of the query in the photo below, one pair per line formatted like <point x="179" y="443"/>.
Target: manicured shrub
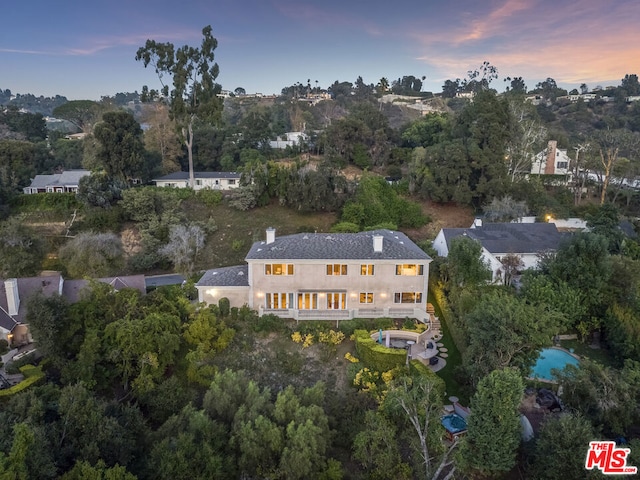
<point x="31" y="374"/>
<point x="376" y="356"/>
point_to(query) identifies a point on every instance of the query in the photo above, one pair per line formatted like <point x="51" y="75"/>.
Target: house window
<point x="409" y="269"/>
<point x="561" y="165"/>
<point x="366" y="297"/>
<point x="279" y="301"/>
<point x="336" y="301"/>
<point x="308" y="301"/>
<point x="232" y="181"/>
<point x="278" y="269"/>
<point x="366" y="269"/>
<point x="198" y="182"/>
<point x="408" y="297"/>
<point x="336" y="269"/>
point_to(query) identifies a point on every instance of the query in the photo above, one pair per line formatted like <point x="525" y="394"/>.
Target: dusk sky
<point x="86" y="49"/>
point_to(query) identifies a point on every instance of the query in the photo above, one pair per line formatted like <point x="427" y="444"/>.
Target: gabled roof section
<point x="72" y="289"/>
<point x="185" y="175"/>
<point x="519" y="238"/>
<point x="66" y="178"/>
<point x="236" y="276"/>
<point x="338" y="246"/>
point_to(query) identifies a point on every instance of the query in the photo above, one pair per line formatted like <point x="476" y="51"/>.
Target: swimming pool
<point x="552" y="358"/>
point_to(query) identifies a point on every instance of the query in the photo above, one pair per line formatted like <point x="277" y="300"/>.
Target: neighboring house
<point x="552" y="161"/>
<point x="15" y="292"/>
<point x="289" y="139"/>
<point x="211" y="180"/>
<point x="67" y="181"/>
<point x="526" y="240"/>
<point x="333" y="276"/>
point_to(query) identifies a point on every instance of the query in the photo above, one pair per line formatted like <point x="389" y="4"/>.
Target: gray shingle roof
<point x="6" y="321"/>
<point x="338" y="246"/>
<point x="68" y="178"/>
<point x="185" y="175"/>
<point x="236" y="276"/>
<point x="511" y="237"/>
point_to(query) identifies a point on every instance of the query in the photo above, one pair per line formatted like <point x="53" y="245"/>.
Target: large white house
<point x="211" y="180"/>
<point x="552" y="161"/>
<point x="64" y="182"/>
<point x="526" y="240"/>
<point x="326" y="276"/>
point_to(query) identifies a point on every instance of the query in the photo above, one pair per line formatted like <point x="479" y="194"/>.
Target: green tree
<point x="50" y="325"/>
<point x="609" y="398"/>
<point x="466" y="267"/>
<point x="560" y="448"/>
<point x="143" y="348"/>
<point x="515" y="330"/>
<point x="549" y="294"/>
<point x="193" y="94"/>
<point x="85" y="471"/>
<point x="21" y="251"/>
<point x="493" y="435"/>
<point x="14" y="466"/>
<point x="189" y="445"/>
<point x="207" y="335"/>
<point x="584" y="263"/>
<point x="121" y="151"/>
<point x="93" y="255"/>
<point x="376" y="449"/>
<point x="81" y="113"/>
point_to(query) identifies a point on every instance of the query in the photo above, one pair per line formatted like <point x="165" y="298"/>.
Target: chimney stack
<point x="13" y="297"/>
<point x="271" y="235"/>
<point x="550" y="166"/>
<point x="377" y="243"/>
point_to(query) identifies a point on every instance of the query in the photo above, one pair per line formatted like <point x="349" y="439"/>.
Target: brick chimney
<point x="550" y="166"/>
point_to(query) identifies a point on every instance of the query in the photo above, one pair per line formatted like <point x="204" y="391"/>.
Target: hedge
<point x="376" y="356"/>
<point x="31" y="374"/>
<point x="416" y="367"/>
<point x="446" y="315"/>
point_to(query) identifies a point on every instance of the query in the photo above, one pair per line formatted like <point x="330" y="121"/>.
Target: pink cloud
<point x="593" y="43"/>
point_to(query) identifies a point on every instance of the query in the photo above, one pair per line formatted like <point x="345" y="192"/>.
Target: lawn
<point x="454" y="359"/>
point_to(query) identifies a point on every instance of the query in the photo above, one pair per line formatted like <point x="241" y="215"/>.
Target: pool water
<point x="454" y="423"/>
<point x="552" y="358"/>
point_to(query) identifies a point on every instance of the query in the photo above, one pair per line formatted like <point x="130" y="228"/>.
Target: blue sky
<point x="86" y="49"/>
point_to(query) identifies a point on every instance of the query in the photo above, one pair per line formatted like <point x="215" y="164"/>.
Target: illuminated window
<point x="408" y="297"/>
<point x="336" y="269"/>
<point x="278" y="269"/>
<point x="366" y="297"/>
<point x="279" y="301"/>
<point x="336" y="301"/>
<point x="366" y="269"/>
<point x="409" y="269"/>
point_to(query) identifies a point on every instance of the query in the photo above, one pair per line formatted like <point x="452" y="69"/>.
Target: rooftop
<point x="510" y="237"/>
<point x="236" y="276"/>
<point x="185" y="175"/>
<point x="338" y="246"/>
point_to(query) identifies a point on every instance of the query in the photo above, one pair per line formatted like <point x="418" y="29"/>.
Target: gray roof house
<point x="211" y="180"/>
<point x="15" y="292"/>
<point x="527" y="240"/>
<point x="326" y="276"/>
<point x="64" y="182"/>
